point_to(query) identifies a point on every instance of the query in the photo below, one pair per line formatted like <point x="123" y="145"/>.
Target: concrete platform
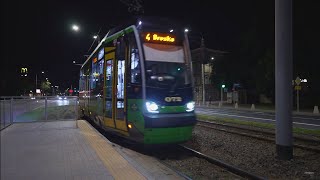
<point x="64" y="150"/>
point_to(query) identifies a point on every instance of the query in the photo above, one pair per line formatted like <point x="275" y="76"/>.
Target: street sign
<point x="298" y="88"/>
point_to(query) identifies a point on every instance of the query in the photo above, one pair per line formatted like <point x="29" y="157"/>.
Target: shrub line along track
<point x="257" y="136"/>
<point x="222" y="164"/>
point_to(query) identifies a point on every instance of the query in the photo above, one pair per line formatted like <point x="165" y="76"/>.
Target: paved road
<point x="299" y="120"/>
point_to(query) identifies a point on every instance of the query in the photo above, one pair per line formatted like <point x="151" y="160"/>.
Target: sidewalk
<point x="63" y="150"/>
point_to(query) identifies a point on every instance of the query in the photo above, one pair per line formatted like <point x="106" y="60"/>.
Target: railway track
<point x="217" y="162"/>
<point x="183" y="155"/>
<point x="299" y="142"/>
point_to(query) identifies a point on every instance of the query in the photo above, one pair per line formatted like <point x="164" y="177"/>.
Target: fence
<point x="14" y="109"/>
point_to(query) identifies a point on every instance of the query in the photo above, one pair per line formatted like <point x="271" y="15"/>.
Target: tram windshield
<point x="166" y="66"/>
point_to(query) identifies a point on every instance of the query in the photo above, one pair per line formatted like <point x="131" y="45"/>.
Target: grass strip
<point x="53" y="113"/>
<point x="296" y="130"/>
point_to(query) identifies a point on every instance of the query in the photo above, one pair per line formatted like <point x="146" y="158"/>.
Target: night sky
<point x="38" y="35"/>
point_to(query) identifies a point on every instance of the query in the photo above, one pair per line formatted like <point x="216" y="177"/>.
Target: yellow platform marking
<point x="114" y="162"/>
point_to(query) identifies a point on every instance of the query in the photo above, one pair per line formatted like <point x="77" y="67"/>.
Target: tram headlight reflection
<point x="152" y="107"/>
<point x="190" y="106"/>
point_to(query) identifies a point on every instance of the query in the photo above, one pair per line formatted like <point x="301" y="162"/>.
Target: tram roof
<point x="150" y="23"/>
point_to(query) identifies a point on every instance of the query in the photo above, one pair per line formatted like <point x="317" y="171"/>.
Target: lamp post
<point x="95" y="37"/>
<point x="222" y="87"/>
<point x="42" y="72"/>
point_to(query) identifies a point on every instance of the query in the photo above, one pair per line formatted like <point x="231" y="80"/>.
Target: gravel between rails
<point x="249" y="154"/>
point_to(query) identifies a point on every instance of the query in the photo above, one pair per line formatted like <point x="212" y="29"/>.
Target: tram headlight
<point x="190" y="106"/>
<point x="152" y="107"/>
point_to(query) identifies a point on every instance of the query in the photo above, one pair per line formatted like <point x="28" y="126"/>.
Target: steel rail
<point x="222" y="164"/>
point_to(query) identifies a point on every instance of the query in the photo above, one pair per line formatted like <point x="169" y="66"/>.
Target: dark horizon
<point x="39" y="36"/>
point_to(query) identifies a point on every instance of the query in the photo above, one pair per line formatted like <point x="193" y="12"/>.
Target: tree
<point x="265" y="74"/>
<point x="45" y="86"/>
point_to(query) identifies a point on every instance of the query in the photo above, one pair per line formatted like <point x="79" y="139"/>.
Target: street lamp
<point x="78" y="64"/>
<point x="42" y="72"/>
<point x="222" y="87"/>
<point x="75" y="28"/>
<point x="96" y="37"/>
<point x="204" y="59"/>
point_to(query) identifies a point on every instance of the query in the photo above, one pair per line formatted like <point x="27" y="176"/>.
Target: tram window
<point x="135" y="73"/>
<point x="109" y="71"/>
<point x="97" y="78"/>
<point x="120" y="56"/>
<point x="93" y="74"/>
<point x="120" y="81"/>
<point x="135" y="67"/>
<point x="82" y="81"/>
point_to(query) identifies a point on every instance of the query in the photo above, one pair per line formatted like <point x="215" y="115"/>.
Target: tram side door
<point x="108" y="87"/>
<point x="120" y="107"/>
<point x="115" y="108"/>
<point x="120" y="85"/>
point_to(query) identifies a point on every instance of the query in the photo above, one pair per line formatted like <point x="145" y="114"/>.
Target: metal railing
<point x="15" y="109"/>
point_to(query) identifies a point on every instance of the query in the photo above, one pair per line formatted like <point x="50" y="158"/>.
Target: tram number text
<point x="173" y="99"/>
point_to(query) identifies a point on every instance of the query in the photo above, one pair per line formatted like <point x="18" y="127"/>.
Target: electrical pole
<point x="222" y="89"/>
<point x="36" y="83"/>
<point x="283" y="78"/>
<point x="203" y="56"/>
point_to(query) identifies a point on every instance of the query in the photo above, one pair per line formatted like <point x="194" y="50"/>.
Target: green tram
<point x="138" y="83"/>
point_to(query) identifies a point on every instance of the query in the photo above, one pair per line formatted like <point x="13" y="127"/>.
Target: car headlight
<point x="60" y="97"/>
<point x="190" y="106"/>
<point x="65" y="98"/>
<point x="152" y="107"/>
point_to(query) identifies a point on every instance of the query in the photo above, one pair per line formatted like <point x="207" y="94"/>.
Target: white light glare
<point x="152" y="107"/>
<point x="171" y="30"/>
<point x="212" y="58"/>
<point x="140" y="22"/>
<point x="95" y="36"/>
<point x="186" y="30"/>
<point x="190" y="106"/>
<point x="75" y="27"/>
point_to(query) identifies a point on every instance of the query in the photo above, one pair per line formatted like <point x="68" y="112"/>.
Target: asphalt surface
<point x="303" y="120"/>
